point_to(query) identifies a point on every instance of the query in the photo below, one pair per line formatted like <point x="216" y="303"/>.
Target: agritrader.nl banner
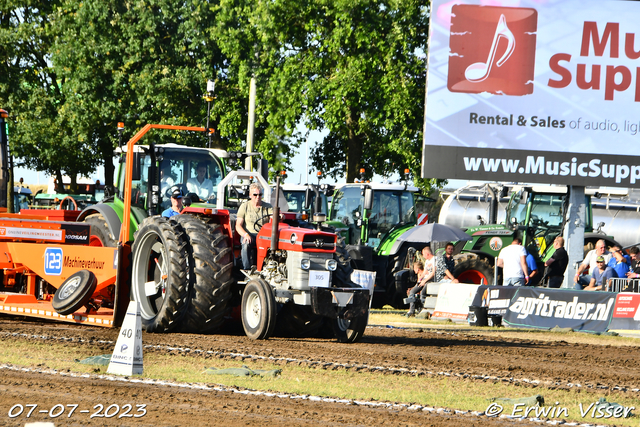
<point x="536" y="92"/>
<point x="548" y="308"/>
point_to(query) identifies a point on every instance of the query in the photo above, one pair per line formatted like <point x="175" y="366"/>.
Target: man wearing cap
<point x="176" y="204"/>
<point x="600" y="275"/>
<point x="251" y="216"/>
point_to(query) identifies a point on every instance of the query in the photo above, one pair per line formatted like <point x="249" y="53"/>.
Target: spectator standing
<point x="590" y="262"/>
<point x="557" y="264"/>
<point x="619" y="262"/>
<point x="532" y="267"/>
<point x="176" y="204"/>
<point x="600" y="275"/>
<point x="445" y="265"/>
<point x="513" y="261"/>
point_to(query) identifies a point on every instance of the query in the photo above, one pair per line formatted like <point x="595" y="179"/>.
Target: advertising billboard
<point x="537" y="91"/>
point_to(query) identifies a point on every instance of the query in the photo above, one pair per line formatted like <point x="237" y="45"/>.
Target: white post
<point x="251" y="122"/>
<point x="574" y="232"/>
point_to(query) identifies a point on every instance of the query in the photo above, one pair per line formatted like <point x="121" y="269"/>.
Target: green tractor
<point x="538" y="214"/>
<point x="370" y="217"/>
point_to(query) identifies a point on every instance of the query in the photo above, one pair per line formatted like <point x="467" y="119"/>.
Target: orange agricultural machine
<point x="84" y="267"/>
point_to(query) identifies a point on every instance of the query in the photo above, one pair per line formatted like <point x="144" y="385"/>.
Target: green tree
<point x="354" y="67"/>
<point x="31" y="90"/>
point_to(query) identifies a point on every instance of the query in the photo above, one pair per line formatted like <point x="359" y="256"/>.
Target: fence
<point x="623" y="285"/>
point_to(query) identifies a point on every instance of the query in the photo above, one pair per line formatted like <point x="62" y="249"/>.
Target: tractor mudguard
<point x="108" y="211"/>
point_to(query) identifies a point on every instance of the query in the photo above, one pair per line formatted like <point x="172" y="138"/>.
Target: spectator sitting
<point x="445" y="265"/>
<point x="635" y="263"/>
<point x="600" y="275"/>
<point x="619" y="262"/>
<point x="418" y="268"/>
<point x="590" y="263"/>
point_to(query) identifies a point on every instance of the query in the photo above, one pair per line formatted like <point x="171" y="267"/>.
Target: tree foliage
<point x="357" y="68"/>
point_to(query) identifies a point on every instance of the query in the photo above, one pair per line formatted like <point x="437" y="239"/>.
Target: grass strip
<point x="452" y="393"/>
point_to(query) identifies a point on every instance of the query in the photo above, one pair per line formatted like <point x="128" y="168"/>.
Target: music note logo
<point x="484" y="57"/>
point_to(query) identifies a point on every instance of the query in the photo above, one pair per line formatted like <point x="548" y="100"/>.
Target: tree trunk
<point x="354" y="148"/>
<point x="59" y="185"/>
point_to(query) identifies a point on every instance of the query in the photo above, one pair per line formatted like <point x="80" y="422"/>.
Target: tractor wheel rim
<point x="253" y="310"/>
<point x="71" y="287"/>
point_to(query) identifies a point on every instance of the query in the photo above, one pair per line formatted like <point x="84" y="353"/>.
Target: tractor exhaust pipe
<point x="275" y="219"/>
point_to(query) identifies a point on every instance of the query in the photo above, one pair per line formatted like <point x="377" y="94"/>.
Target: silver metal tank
<point x="620" y="213"/>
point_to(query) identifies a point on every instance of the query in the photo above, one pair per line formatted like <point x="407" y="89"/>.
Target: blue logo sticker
<point x="53" y="261"/>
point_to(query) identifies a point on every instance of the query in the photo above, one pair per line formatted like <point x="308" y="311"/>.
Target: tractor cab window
<point x="390" y="208"/>
<point x="139" y="187"/>
<point x="347" y="208"/>
<point x="296" y="201"/>
<point x="192" y="171"/>
<point x="517" y="208"/>
<point x="545" y="222"/>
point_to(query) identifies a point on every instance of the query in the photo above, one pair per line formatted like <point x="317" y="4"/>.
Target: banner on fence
<point x="454" y="300"/>
<point x="549" y="308"/>
<point x="626" y="312"/>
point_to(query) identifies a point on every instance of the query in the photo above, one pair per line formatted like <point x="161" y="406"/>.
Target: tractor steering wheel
<point x="262" y="220"/>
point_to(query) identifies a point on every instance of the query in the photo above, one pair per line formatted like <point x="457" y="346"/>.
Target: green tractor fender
<point x="112" y="213"/>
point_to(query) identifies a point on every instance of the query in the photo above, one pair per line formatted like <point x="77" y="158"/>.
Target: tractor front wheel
<point x="258" y="310"/>
<point x="349" y="331"/>
<point x="474" y="270"/>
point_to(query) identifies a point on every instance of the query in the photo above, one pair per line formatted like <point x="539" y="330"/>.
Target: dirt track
<point x="468" y="356"/>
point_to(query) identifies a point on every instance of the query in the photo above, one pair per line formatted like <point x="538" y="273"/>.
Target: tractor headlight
<point x="331" y="264"/>
<point x="305" y="264"/>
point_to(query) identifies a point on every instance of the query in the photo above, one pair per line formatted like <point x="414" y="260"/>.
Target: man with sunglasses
<point x="251" y="217"/>
<point x="600" y="276"/>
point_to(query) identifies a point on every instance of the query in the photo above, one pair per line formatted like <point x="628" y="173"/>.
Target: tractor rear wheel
<point x="258" y="310"/>
<point x="474" y="270"/>
<point x="100" y="234"/>
<point x="75" y="292"/>
<point x="159" y="280"/>
<point x="210" y="264"/>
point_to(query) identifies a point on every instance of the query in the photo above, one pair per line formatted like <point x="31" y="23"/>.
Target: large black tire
<point x="258" y="310"/>
<point x="395" y="264"/>
<point x="159" y="280"/>
<point x="75" y="292"/>
<point x="344" y="270"/>
<point x="349" y="331"/>
<point x="100" y="233"/>
<point x="210" y="260"/>
<point x="473" y="271"/>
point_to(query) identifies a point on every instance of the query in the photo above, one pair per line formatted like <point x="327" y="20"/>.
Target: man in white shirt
<point x="200" y="185"/>
<point x="590" y="262"/>
<point x="512" y="259"/>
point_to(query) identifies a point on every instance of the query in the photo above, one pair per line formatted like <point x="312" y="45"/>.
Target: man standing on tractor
<point x="176" y="204"/>
<point x="252" y="214"/>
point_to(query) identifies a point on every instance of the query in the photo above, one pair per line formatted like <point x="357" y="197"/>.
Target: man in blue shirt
<point x="620" y="262"/>
<point x="176" y="204"/>
<point x="533" y="269"/>
<point x="600" y="276"/>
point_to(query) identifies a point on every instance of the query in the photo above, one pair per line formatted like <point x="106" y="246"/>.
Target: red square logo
<point x="492" y="49"/>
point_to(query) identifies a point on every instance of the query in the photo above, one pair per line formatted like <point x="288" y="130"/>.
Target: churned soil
<point x="467" y="355"/>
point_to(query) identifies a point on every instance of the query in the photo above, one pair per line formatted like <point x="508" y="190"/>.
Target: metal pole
<point x="574" y="232"/>
<point x="251" y="123"/>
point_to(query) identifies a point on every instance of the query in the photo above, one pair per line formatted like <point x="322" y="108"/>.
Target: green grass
<point x="434" y="391"/>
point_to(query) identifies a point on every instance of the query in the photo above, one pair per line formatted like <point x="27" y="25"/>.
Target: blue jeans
<point x="514" y="281"/>
<point x="249" y="254"/>
<point x="583" y="282"/>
